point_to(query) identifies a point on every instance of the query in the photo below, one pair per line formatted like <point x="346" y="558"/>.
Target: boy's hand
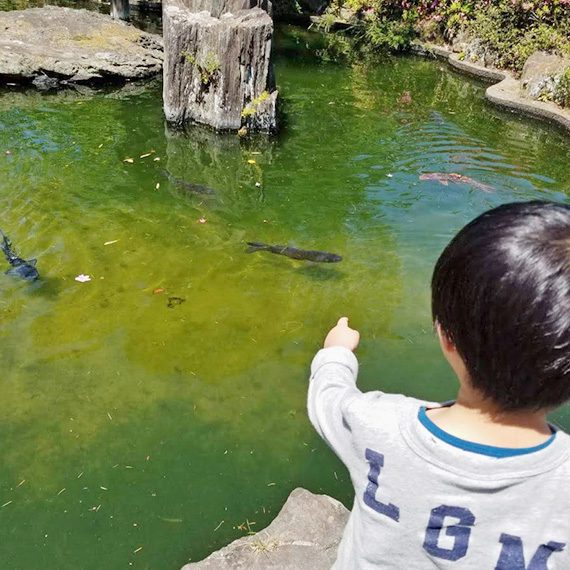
<point x="342" y="335"/>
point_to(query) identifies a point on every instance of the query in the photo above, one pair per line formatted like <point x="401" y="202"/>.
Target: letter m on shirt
<point x="512" y="554"/>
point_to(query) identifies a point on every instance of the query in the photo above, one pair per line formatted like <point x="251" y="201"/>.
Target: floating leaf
<point x="129" y="160"/>
<point x="111" y="242"/>
<point x="251" y="161"/>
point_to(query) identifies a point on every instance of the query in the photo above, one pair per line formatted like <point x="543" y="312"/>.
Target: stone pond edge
<point x="506" y="89"/>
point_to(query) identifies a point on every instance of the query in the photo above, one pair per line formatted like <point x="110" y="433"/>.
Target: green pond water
<point x="134" y="434"/>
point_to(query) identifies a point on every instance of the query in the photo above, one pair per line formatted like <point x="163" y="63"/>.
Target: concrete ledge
<point x="486" y="73"/>
<point x="506" y="91"/>
<point x="507" y="94"/>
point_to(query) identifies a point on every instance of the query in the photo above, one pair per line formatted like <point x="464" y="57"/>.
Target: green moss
<point x="208" y="68"/>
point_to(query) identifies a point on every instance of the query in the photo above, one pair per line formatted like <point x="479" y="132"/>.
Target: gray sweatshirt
<point x="424" y="502"/>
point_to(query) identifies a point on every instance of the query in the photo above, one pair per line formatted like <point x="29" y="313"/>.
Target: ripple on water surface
<point x="167" y="394"/>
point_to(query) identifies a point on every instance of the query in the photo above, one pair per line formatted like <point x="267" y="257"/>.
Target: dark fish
<point x="20" y="267"/>
<point x="189" y="186"/>
<point x="294" y="253"/>
<point x="445" y="178"/>
<point x="174" y="301"/>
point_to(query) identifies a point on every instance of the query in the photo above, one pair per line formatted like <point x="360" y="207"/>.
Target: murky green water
<point x="134" y="434"/>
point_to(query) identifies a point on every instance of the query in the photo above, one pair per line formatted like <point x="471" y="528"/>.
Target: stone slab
<point x="74" y="45"/>
<point x="305" y="534"/>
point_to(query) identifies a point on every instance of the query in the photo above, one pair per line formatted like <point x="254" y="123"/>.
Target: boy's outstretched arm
<point x="333" y="388"/>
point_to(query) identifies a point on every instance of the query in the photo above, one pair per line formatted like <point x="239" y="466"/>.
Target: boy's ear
<point x="446" y="345"/>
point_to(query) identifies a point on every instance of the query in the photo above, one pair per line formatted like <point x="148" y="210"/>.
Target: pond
<point x="157" y="412"/>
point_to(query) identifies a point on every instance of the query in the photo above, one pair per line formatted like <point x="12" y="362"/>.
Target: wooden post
<point x="120" y="10"/>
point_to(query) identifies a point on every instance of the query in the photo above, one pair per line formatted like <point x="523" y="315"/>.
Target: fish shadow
<point x="320" y="272"/>
<point x="46" y="287"/>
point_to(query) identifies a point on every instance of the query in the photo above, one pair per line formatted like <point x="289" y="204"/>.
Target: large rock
<point x="305" y="534"/>
<point x="541" y="75"/>
<point x="74" y="45"/>
<point x="217" y="70"/>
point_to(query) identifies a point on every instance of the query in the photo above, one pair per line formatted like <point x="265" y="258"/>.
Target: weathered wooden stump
<point x="120" y="10"/>
<point x="217" y="66"/>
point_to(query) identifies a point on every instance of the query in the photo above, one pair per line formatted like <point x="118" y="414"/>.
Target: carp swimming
<point x="190" y="187"/>
<point x="445" y="178"/>
<point x="294" y="253"/>
<point x="20" y="267"/>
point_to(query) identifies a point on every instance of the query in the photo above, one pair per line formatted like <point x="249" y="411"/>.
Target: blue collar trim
<point x="481" y="449"/>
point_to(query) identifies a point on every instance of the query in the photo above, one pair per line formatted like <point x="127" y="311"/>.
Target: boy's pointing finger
<point x="343" y="322"/>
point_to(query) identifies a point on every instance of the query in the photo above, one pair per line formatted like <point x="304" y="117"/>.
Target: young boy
<point x="482" y="483"/>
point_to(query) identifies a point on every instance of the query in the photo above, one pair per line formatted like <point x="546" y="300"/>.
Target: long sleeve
<point x="332" y="389"/>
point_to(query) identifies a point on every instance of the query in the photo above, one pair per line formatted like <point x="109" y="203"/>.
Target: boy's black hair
<point x="501" y="294"/>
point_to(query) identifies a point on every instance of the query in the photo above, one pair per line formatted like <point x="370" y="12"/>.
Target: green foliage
<point x="513" y="40"/>
<point x="562" y="94"/>
<point x="509" y="30"/>
<point x="250" y="110"/>
<point x="208" y="68"/>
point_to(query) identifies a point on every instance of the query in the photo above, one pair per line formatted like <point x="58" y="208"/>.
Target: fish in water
<point x="20" y="267"/>
<point x="174" y="301"/>
<point x="294" y="253"/>
<point x="189" y="186"/>
<point x="445" y="178"/>
<point x="405" y="98"/>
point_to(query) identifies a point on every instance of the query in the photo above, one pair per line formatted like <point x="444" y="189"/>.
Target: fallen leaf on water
<point x="202" y="220"/>
<point x="137" y="550"/>
<point x="156" y="159"/>
<point x="158" y="291"/>
<point x="83" y="278"/>
<point x="251" y="161"/>
<point x="258" y="184"/>
<point x="170" y="520"/>
<point x="157" y="186"/>
<point x="146" y="154"/>
<point x="221" y="523"/>
<point x="8" y="152"/>
<point x="111" y="242"/>
<point x="129" y="160"/>
<point x="100" y="145"/>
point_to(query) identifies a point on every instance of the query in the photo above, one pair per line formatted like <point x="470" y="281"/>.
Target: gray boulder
<point x="541" y="75"/>
<point x="217" y="70"/>
<point x="74" y="46"/>
<point x="305" y="534"/>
